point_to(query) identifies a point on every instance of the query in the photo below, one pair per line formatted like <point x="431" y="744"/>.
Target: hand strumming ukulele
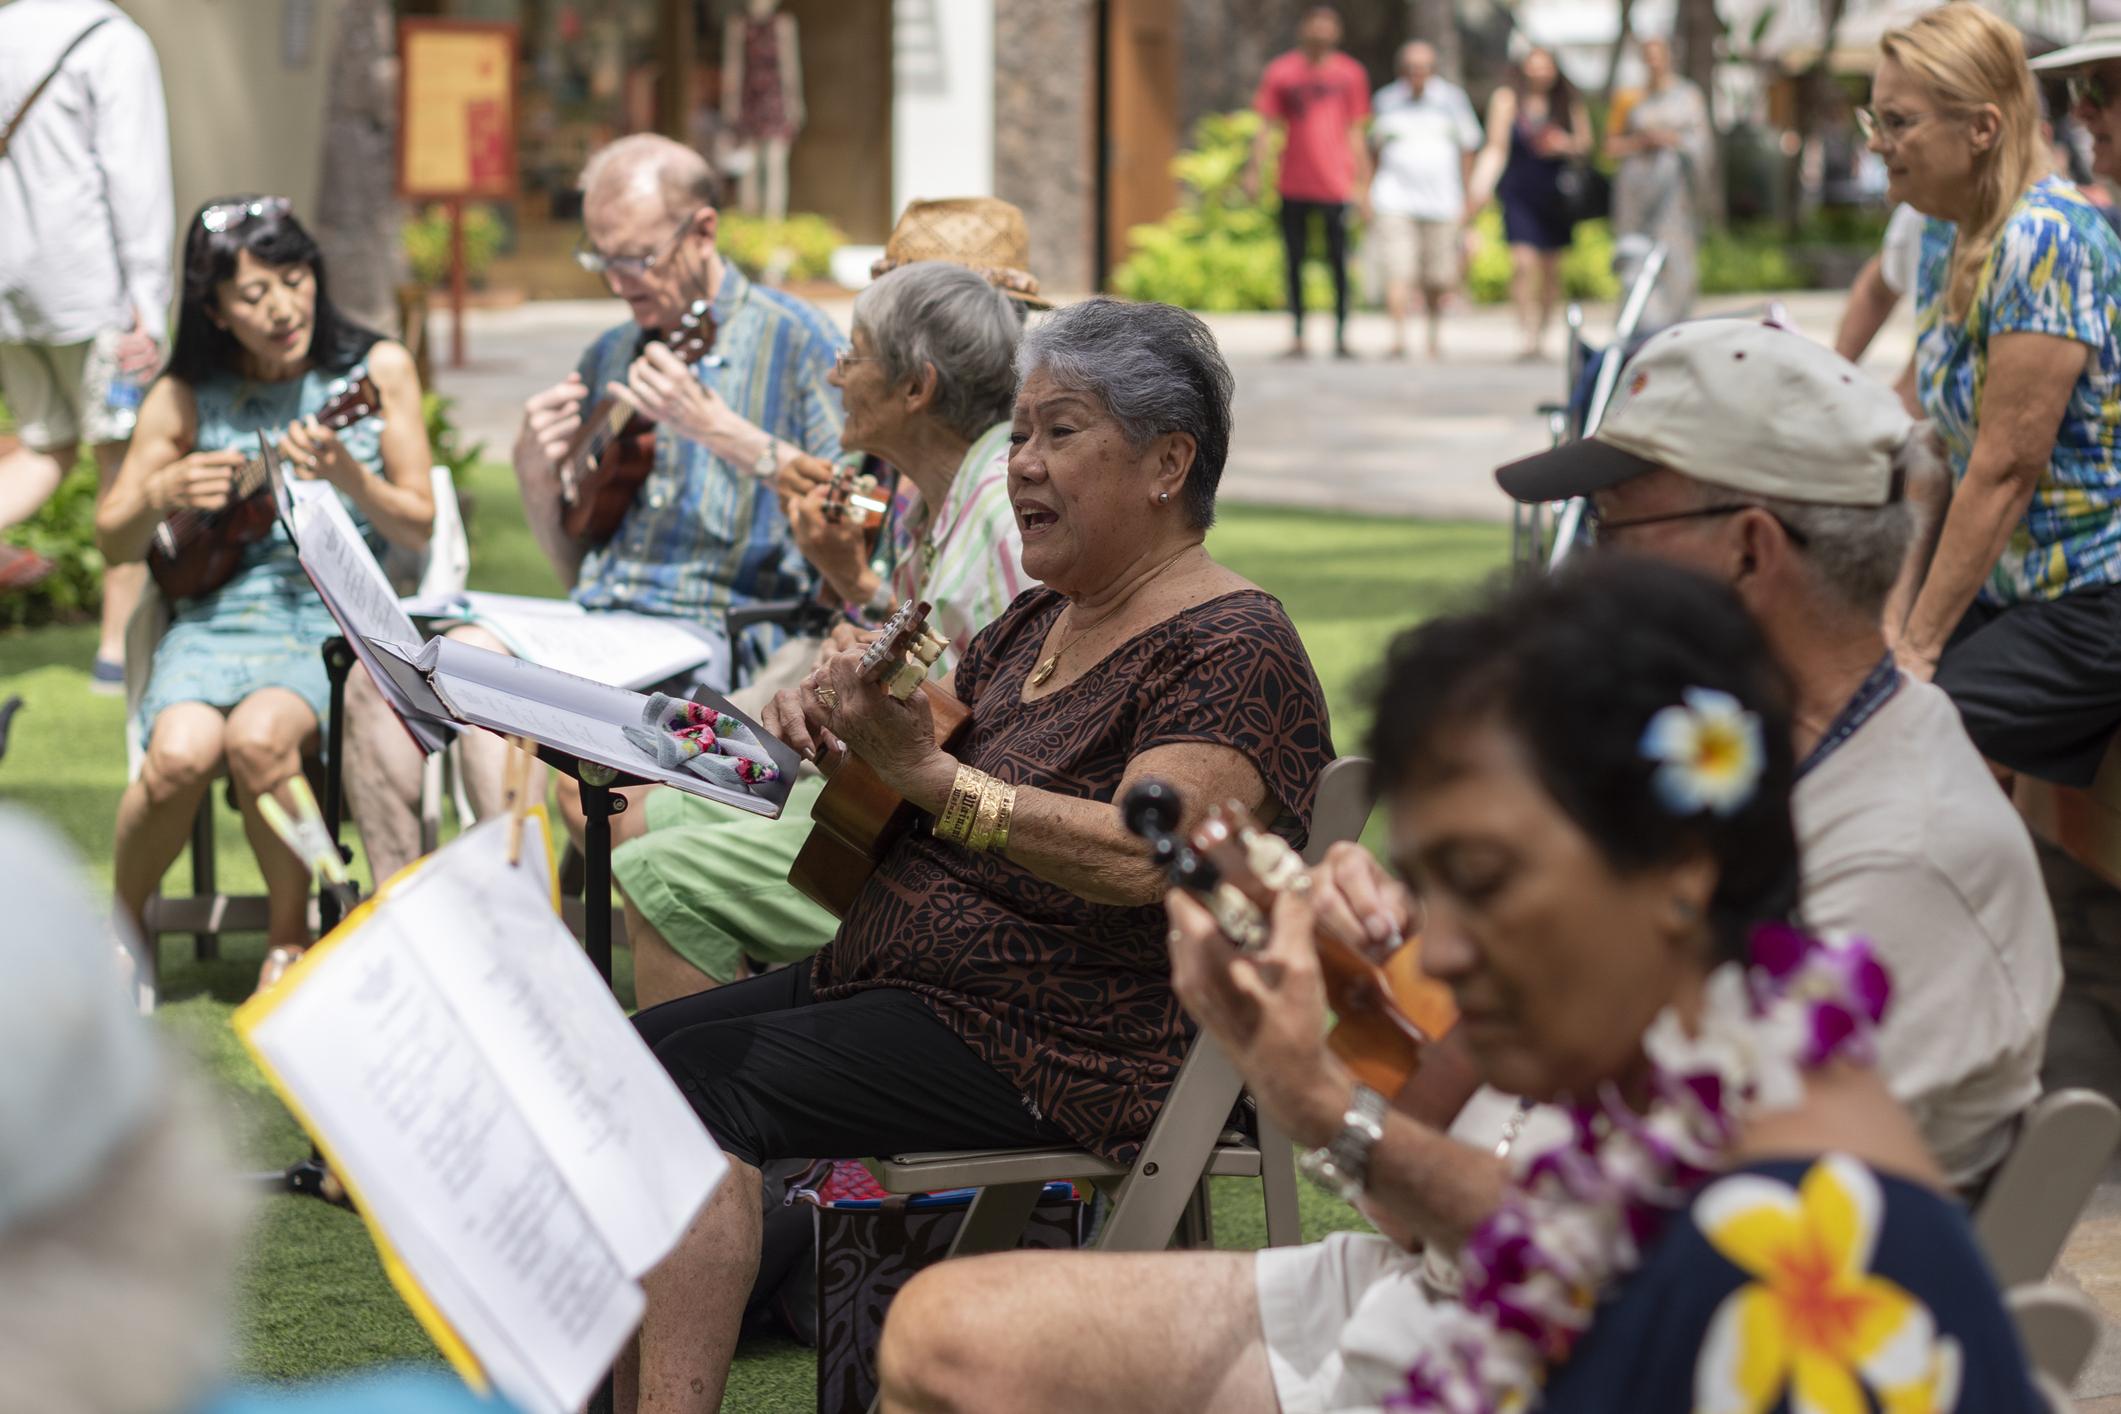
<point x="1391" y="1019"/>
<point x="853" y="493"/>
<point x="858" y="818"/>
<point x="614" y="450"/>
<point x="196" y="552"/>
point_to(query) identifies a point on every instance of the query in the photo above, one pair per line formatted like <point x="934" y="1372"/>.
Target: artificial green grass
<point x="314" y="1300"/>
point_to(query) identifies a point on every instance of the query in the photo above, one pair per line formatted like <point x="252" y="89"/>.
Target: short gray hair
<point x="1855" y="553"/>
<point x="932" y="314"/>
<point x="1153" y="367"/>
<point x="679" y="176"/>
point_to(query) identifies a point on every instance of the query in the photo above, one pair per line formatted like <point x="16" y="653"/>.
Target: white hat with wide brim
<point x="2098" y="42"/>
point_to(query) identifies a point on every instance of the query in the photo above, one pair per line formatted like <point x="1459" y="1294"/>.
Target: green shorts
<point x="714" y="881"/>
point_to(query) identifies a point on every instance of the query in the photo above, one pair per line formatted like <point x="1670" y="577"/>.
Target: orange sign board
<point x="456" y="109"/>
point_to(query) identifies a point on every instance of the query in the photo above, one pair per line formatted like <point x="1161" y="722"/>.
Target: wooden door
<point x="1140" y="120"/>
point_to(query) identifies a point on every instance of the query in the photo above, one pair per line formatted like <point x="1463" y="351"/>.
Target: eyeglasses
<point x="2089" y="88"/>
<point x="1889" y="128"/>
<point x="223" y="216"/>
<point x="631" y="266"/>
<point x="847" y="356"/>
<point x="1602" y="529"/>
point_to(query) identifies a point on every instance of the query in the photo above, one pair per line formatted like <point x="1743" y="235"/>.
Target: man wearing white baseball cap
<point x="1769" y="462"/>
<point x="119" y="1213"/>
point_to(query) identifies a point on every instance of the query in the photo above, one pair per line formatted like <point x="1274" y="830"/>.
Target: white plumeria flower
<point x="1710" y="749"/>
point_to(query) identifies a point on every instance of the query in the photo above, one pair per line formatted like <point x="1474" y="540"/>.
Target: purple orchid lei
<point x="1578" y="1215"/>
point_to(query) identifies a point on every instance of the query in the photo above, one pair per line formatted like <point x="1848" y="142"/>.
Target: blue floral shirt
<point x="704" y="533"/>
<point x="2055" y="269"/>
<point x="1790" y="1287"/>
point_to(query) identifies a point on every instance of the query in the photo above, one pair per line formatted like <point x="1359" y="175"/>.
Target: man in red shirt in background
<point x="1320" y="96"/>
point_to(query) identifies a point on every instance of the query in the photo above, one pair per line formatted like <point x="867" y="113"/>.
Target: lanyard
<point x="1876" y="691"/>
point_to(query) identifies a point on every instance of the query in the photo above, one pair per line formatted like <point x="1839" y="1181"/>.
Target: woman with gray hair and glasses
<point x="1001" y="980"/>
<point x="927" y="387"/>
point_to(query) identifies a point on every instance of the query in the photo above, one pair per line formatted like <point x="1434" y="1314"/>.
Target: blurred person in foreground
<point x="1710" y="1207"/>
<point x="121" y="1220"/>
<point x="85" y="213"/>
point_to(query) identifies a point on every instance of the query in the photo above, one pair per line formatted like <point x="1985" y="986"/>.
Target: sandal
<point x="277" y="960"/>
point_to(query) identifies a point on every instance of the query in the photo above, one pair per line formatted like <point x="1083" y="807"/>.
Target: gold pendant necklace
<point x="1043" y="673"/>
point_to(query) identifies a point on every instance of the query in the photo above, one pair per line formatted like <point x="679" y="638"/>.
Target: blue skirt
<point x="221" y="651"/>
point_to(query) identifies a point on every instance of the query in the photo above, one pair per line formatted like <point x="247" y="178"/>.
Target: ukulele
<point x="614" y="450"/>
<point x="852" y="492"/>
<point x="1390" y="1016"/>
<point x="857" y="817"/>
<point x="195" y="552"/>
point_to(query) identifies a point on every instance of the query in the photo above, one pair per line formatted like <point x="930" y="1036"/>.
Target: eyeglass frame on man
<point x="632" y="267"/>
<point x="225" y="216"/>
<point x="1600" y="528"/>
<point x="848" y="355"/>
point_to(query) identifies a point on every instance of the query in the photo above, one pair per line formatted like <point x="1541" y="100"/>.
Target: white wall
<point x="942" y="103"/>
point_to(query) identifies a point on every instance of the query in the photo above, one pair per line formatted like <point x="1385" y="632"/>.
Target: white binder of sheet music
<point x="356" y="591"/>
<point x="495" y="1113"/>
<point x="616" y="647"/>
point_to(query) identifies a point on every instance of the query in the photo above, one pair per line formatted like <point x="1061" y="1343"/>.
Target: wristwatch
<point x="1342" y="1167"/>
<point x="768" y="463"/>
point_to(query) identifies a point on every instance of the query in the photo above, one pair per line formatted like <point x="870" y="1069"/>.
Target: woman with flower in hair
<point x="1708" y="1201"/>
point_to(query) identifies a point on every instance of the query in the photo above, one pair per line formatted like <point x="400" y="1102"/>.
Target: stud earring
<point x="1163" y="498"/>
<point x="1689" y="911"/>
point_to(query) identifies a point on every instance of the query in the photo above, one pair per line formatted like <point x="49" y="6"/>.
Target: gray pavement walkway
<point x="1371" y="435"/>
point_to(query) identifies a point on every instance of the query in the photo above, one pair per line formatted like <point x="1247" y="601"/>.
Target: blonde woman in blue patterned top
<point x="2016" y="363"/>
<point x="238" y="680"/>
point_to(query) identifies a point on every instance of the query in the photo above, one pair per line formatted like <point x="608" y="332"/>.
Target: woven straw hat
<point x="983" y="233"/>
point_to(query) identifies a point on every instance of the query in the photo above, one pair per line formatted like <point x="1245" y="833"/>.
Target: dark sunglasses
<point x="1601" y="528"/>
<point x="225" y="216"/>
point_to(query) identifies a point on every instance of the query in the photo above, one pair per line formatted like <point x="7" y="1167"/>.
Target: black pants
<point x="1296" y="244"/>
<point x="775" y="1074"/>
<point x="2038" y="684"/>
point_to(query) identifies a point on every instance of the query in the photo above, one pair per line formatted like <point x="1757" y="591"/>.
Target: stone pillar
<point x="1045" y="131"/>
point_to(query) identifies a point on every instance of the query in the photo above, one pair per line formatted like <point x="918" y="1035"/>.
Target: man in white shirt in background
<point x="1881" y="283"/>
<point x="1425" y="137"/>
<point x="85" y="239"/>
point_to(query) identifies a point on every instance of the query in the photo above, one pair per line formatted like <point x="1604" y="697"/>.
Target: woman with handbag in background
<point x="1539" y="132"/>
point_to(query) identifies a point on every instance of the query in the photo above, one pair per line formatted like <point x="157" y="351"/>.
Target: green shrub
<point x="445" y="441"/>
<point x="64" y="532"/>
<point x="799" y="248"/>
<point x="426" y="240"/>
<point x="1742" y="262"/>
<point x="1220" y="250"/>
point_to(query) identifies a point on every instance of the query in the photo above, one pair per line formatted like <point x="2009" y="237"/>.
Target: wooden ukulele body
<point x="195" y="553"/>
<point x="1393" y="1023"/>
<point x="209" y="558"/>
<point x="857" y="818"/>
<point x="604" y="493"/>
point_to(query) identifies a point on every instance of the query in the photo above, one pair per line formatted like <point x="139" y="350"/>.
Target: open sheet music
<point x="618" y="647"/>
<point x="571" y="716"/>
<point x="500" y="1124"/>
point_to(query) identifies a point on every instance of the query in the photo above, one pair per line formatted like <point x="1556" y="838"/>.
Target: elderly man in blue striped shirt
<point x="737" y="435"/>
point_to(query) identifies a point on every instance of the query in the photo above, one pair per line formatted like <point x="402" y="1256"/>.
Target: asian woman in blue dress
<point x="238" y="680"/>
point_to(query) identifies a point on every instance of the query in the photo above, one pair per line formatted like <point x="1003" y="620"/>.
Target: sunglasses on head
<point x="225" y="216"/>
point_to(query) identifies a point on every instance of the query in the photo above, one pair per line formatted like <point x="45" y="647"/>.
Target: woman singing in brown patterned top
<point x="1005" y="985"/>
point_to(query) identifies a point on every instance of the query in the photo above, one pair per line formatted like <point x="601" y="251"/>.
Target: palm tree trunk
<point x="358" y="218"/>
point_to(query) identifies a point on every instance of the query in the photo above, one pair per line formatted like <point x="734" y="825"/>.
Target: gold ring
<point x="826" y="695"/>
